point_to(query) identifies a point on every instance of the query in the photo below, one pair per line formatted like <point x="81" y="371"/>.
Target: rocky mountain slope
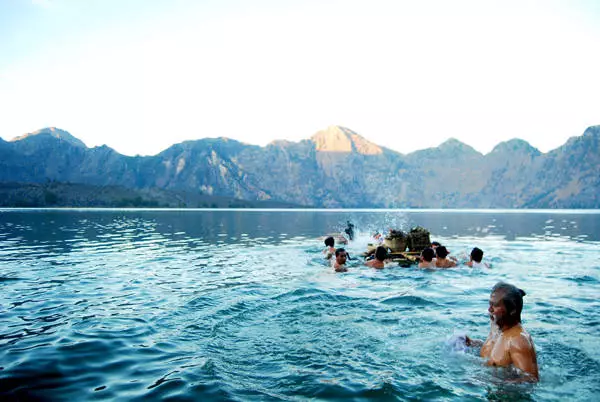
<point x="336" y="167"/>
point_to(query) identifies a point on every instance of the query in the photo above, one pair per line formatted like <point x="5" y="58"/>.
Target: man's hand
<point x="472" y="342"/>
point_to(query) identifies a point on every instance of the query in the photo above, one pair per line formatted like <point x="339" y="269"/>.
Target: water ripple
<point x="241" y="306"/>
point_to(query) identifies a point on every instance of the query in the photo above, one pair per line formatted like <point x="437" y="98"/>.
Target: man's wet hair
<point x="441" y="252"/>
<point x="381" y="253"/>
<point x="513" y="300"/>
<point x="329" y="242"/>
<point x="477" y="254"/>
<point x="340" y="250"/>
<point x="435" y="244"/>
<point x="428" y="254"/>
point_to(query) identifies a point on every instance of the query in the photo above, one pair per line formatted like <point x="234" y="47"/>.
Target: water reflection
<point x="68" y="228"/>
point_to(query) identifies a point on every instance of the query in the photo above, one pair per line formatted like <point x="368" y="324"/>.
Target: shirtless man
<point x="508" y="344"/>
<point x="330" y="247"/>
<point x="427" y="258"/>
<point x="475" y="259"/>
<point x="441" y="261"/>
<point x="380" y="256"/>
<point x="340" y="260"/>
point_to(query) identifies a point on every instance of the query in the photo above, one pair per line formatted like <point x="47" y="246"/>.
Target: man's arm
<point x="522" y="354"/>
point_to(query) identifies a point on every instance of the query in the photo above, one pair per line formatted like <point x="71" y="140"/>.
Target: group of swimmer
<point x="508" y="344"/>
<point x="436" y="256"/>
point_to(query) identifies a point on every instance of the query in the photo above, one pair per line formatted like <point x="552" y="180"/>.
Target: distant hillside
<point x="54" y="194"/>
<point x="336" y="167"/>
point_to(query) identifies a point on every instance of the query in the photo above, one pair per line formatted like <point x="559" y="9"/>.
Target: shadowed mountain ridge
<point x="336" y="167"/>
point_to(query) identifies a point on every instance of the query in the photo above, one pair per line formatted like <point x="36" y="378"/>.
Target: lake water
<point x="239" y="305"/>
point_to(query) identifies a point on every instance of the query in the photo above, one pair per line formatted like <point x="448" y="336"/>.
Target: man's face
<point x="497" y="309"/>
<point x="341" y="258"/>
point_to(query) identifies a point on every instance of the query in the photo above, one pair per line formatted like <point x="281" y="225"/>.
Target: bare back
<point x="444" y="263"/>
<point x="375" y="263"/>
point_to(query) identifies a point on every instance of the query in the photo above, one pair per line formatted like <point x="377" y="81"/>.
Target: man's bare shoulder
<point x="522" y="354"/>
<point x="520" y="341"/>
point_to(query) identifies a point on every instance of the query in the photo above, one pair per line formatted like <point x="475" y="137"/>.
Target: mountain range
<point x="335" y="168"/>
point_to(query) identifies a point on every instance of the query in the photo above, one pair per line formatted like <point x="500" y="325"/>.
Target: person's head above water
<point x="340" y="256"/>
<point x="329" y="242"/>
<point x="441" y="252"/>
<point x="477" y="254"/>
<point x="435" y="244"/>
<point x="381" y="253"/>
<point x="506" y="304"/>
<point x="428" y="254"/>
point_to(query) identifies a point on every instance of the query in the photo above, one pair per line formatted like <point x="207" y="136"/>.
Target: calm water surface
<point x="239" y="305"/>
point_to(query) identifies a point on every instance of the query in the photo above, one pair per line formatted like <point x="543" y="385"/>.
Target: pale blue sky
<point x="141" y="75"/>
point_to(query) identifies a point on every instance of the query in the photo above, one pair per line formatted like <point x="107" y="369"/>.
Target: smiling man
<point x="508" y="344"/>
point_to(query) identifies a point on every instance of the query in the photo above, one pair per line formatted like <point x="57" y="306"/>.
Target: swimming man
<point x="330" y="247"/>
<point x="508" y="344"/>
<point x="475" y="259"/>
<point x="339" y="265"/>
<point x="378" y="261"/>
<point x="441" y="261"/>
<point x="427" y="258"/>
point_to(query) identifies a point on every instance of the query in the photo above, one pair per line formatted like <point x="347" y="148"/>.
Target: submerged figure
<point x="349" y="230"/>
<point x="427" y="258"/>
<point x="508" y="344"/>
<point x="329" y="247"/>
<point x="441" y="260"/>
<point x="475" y="259"/>
<point x="339" y="264"/>
<point x="378" y="261"/>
